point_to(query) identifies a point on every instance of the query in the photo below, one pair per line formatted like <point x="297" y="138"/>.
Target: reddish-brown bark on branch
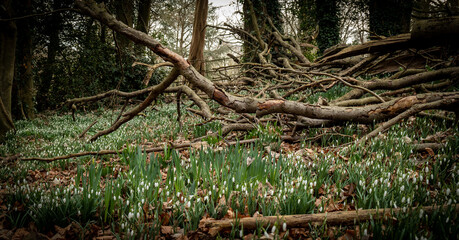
<point x="366" y="114"/>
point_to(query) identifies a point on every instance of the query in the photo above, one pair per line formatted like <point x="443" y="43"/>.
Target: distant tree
<point x="389" y="17"/>
<point x="124" y="10"/>
<point x="199" y="33"/>
<point x="328" y="21"/>
<point x="263" y="10"/>
<point x="24" y="103"/>
<point x="142" y="23"/>
<point x="306" y="13"/>
<point x="8" y="37"/>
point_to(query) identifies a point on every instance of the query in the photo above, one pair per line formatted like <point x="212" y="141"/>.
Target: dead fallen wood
<point x="154" y="92"/>
<point x="410" y="112"/>
<point x="306" y="220"/>
<point x="384" y="45"/>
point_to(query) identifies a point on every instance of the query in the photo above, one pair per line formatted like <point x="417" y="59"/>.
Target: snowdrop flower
<point x="402" y="188"/>
<point x="448" y="191"/>
<point x="241" y="234"/>
<point x="266" y="235"/>
<point x="284" y="226"/>
<point x="273" y="230"/>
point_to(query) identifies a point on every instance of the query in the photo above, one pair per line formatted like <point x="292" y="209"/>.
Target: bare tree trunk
<point x="53" y="29"/>
<point x="143" y="21"/>
<point x="124" y="13"/>
<point x="26" y="85"/>
<point x="199" y="34"/>
<point x="8" y="38"/>
<point x="390" y="17"/>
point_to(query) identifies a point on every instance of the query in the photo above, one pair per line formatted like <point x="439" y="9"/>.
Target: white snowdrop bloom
<point x="138" y="215"/>
<point x="447" y="219"/>
<point x="273" y="230"/>
<point x="403" y="200"/>
<point x="365" y="232"/>
<point x="402" y="188"/>
<point x="122" y="225"/>
<point x="320" y="209"/>
<point x="156" y="184"/>
<point x="79" y="213"/>
<point x="421" y="213"/>
<point x="448" y="191"/>
<point x="385" y="193"/>
<point x="206" y="198"/>
<point x="426" y="169"/>
<point x="266" y="235"/>
<point x="284" y="226"/>
<point x="232" y="179"/>
<point x="241" y="234"/>
<point x="188" y="204"/>
<point x="457" y="192"/>
<point x="427" y="181"/>
<point x="420" y="178"/>
<point x="64" y="200"/>
<point x="130" y="215"/>
<point x="299" y="201"/>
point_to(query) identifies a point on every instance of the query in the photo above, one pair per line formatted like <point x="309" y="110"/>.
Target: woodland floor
<point x="173" y="193"/>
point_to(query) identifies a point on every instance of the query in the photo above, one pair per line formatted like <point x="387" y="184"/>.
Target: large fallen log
<point x="425" y="33"/>
<point x="261" y="107"/>
<point x="213" y="226"/>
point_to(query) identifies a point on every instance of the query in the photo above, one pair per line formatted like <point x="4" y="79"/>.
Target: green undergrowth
<point x="137" y="193"/>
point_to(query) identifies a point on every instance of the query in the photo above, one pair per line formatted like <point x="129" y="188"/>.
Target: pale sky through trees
<point x="226" y="8"/>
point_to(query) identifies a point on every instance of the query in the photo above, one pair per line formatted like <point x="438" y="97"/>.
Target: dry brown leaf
<point x="430" y="152"/>
<point x="167" y="230"/>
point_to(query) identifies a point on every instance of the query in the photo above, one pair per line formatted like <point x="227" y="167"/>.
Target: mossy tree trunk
<point x="25" y="82"/>
<point x="390" y="17"/>
<point x="328" y="20"/>
<point x="8" y="37"/>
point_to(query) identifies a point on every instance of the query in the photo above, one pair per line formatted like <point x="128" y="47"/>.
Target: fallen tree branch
<point x="158" y="89"/>
<point x="409" y="112"/>
<point x="306" y="220"/>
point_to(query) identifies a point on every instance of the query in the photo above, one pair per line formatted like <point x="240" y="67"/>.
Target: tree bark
<point x="318" y="219"/>
<point x="143" y="23"/>
<point x="390" y="17"/>
<point x="261" y="107"/>
<point x="8" y="37"/>
<point x="26" y="84"/>
<point x="125" y="14"/>
<point x="53" y="29"/>
<point x="327" y="18"/>
<point x="199" y="34"/>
